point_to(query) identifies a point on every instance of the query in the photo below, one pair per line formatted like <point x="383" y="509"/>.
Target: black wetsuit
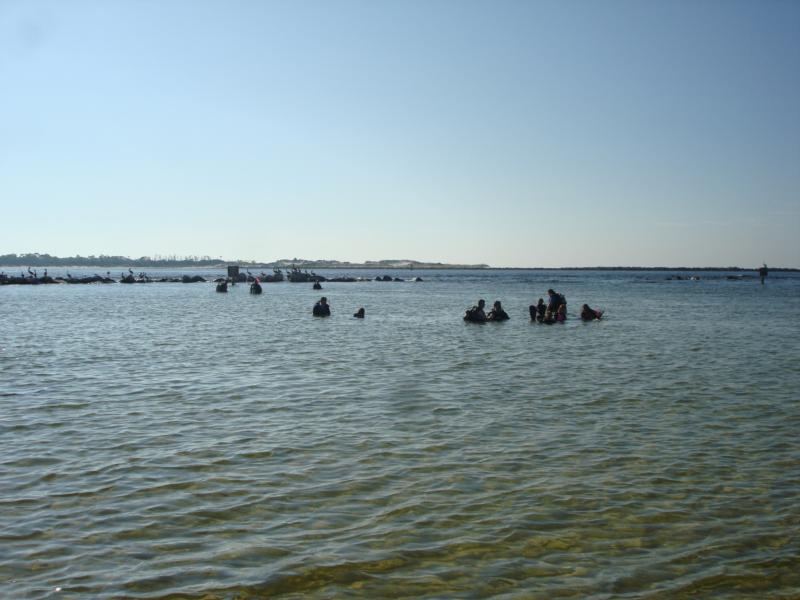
<point x="321" y="310"/>
<point x="475" y="315"/>
<point x="590" y="314"/>
<point x="541" y="309"/>
<point x="555" y="301"/>
<point x="497" y="315"/>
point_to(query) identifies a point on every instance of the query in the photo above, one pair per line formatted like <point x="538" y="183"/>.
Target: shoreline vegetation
<point x="46" y="260"/>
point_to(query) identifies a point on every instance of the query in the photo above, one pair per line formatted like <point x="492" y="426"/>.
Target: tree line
<point x="46" y="260"/>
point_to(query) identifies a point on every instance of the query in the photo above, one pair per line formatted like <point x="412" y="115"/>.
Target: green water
<point x="165" y="441"/>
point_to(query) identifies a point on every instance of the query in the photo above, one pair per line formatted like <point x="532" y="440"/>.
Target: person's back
<point x="553" y="300"/>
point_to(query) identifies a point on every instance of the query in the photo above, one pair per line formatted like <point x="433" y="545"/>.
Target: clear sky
<point x="513" y="133"/>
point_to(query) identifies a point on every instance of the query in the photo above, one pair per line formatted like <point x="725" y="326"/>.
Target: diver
<point x="554" y="300"/>
<point x="476" y="314"/>
<point x="590" y="314"/>
<point x="537" y="311"/>
<point x="497" y="313"/>
<point x="322" y="308"/>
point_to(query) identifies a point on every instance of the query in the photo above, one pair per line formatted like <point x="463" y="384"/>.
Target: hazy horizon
<point x="512" y="133"/>
<point x="304" y="260"/>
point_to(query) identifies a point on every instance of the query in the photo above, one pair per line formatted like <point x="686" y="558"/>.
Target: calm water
<point x="166" y="441"/>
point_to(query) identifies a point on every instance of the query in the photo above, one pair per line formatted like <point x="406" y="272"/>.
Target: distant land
<point x="46" y="260"/>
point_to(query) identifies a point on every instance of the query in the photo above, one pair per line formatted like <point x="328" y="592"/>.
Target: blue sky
<point x="509" y="133"/>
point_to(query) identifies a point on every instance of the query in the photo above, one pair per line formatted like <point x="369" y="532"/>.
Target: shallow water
<point x="164" y="440"/>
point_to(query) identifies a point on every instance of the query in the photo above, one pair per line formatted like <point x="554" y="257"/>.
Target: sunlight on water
<point x="163" y="440"/>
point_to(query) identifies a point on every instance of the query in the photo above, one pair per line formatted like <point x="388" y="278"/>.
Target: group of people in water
<point x="555" y="311"/>
<point x="323" y="309"/>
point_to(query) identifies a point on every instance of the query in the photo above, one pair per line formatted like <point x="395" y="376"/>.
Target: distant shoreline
<point x="23" y="261"/>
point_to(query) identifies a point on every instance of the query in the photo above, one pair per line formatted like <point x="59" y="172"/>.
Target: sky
<point x="511" y="133"/>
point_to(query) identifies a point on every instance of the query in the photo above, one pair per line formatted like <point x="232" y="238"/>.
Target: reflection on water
<point x="166" y="441"/>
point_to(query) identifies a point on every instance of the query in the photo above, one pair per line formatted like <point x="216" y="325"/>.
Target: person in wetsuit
<point x="359" y="314"/>
<point x="497" y="313"/>
<point x="537" y="310"/>
<point x="322" y="308"/>
<point x="590" y="314"/>
<point x="476" y="314"/>
<point x="554" y="300"/>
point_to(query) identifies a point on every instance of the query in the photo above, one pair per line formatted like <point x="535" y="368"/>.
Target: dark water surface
<point x="166" y="441"/>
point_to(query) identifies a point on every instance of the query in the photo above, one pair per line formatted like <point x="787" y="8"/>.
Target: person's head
<point x="541" y="300"/>
<point x="550" y="292"/>
<point x="323" y="300"/>
<point x="359" y="312"/>
<point x="481" y="303"/>
<point x="585" y="307"/>
<point x="497" y="304"/>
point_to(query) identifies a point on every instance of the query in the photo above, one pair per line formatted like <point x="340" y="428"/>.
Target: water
<point x="164" y="441"/>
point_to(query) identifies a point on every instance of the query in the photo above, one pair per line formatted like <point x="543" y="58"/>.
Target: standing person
<point x="321" y="308"/>
<point x="554" y="300"/>
<point x="476" y="314"/>
<point x="497" y="313"/>
<point x="762" y="273"/>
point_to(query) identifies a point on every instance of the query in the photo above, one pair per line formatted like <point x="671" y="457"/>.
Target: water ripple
<point x="170" y="442"/>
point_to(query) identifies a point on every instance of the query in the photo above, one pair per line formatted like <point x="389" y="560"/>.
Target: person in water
<point x="554" y="300"/>
<point x="359" y="314"/>
<point x="763" y="272"/>
<point x="316" y="286"/>
<point x="476" y="314"/>
<point x="561" y="313"/>
<point x="322" y="308"/>
<point x="548" y="317"/>
<point x="537" y="310"/>
<point x="497" y="313"/>
<point x="590" y="314"/>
